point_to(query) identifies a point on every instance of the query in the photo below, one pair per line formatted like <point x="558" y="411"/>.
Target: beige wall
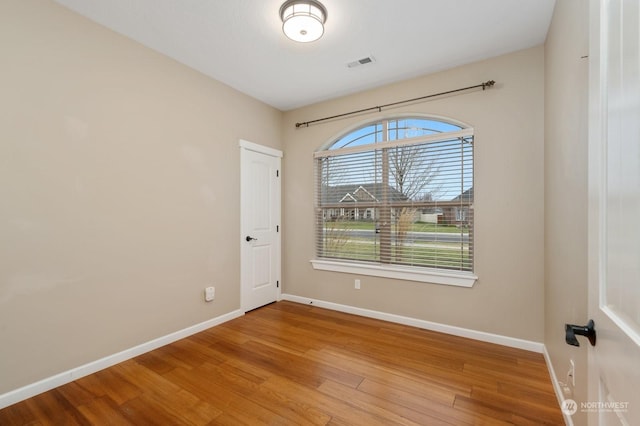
<point x="119" y="191"/>
<point x="509" y="181"/>
<point x="566" y="75"/>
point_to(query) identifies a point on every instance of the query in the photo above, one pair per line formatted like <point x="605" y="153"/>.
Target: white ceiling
<point x="240" y="42"/>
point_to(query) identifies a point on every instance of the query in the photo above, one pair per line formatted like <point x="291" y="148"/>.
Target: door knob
<point x="251" y="238"/>
<point x="583" y="330"/>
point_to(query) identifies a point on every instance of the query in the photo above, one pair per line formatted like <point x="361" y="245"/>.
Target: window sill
<point x="454" y="278"/>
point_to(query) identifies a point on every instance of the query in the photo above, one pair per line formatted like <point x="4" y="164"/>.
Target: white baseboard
<point x="427" y="325"/>
<point x="568" y="420"/>
<point x="52" y="382"/>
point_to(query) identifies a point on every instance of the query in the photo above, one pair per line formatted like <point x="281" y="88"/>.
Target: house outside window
<point x="397" y="195"/>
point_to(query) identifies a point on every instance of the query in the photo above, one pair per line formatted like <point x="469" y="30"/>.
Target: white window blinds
<point x="397" y="192"/>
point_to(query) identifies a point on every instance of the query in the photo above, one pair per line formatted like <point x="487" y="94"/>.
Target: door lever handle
<point x="583" y="330"/>
<point x="248" y="238"/>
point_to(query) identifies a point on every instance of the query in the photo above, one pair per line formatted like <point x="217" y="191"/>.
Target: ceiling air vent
<point x="363" y="61"/>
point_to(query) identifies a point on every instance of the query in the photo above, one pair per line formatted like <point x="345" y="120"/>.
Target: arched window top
<point x="397" y="129"/>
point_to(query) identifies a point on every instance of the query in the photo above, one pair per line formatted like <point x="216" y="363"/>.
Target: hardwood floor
<point x="288" y="363"/>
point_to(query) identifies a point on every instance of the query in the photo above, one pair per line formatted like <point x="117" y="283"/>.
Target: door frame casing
<point x="245" y="146"/>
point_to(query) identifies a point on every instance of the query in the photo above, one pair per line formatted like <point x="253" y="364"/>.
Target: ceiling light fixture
<point x="303" y="20"/>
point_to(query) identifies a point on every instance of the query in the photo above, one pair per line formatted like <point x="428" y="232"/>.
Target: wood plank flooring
<point x="288" y="363"/>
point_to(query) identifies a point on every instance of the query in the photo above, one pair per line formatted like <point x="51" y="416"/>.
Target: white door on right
<point x="614" y="213"/>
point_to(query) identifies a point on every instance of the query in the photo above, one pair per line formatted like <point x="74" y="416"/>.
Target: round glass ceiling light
<point x="303" y="20"/>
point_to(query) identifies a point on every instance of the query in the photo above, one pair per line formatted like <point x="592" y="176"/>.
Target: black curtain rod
<point x="379" y="108"/>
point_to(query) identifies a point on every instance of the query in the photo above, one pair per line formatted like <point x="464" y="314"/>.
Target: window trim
<point x="465" y="279"/>
<point x="387" y="117"/>
<point x="398" y="272"/>
<point x="418" y="140"/>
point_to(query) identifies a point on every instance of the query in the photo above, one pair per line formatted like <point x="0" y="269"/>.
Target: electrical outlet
<point x="357" y="284"/>
<point x="209" y="294"/>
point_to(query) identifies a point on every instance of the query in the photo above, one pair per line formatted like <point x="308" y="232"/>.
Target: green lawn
<point x="415" y="227"/>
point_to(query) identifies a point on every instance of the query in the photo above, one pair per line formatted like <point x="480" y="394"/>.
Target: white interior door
<point x="614" y="213"/>
<point x="260" y="225"/>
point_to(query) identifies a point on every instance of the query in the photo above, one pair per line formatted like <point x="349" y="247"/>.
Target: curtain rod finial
<point x="488" y="84"/>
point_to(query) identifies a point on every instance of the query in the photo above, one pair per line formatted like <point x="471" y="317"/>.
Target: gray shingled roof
<point x="359" y="192"/>
<point x="465" y="196"/>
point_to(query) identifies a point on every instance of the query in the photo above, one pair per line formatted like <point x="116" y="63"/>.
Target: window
<point x="396" y="197"/>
